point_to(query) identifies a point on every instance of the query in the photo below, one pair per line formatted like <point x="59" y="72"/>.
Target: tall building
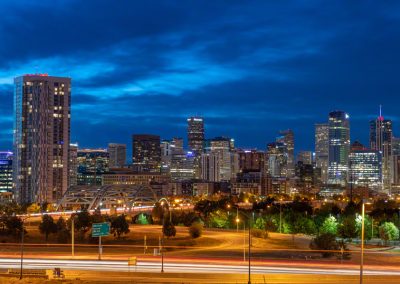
<point x="277" y="160"/>
<point x="73" y="165"/>
<point x="6" y="181"/>
<point x="146" y="152"/>
<point x="365" y="167"/>
<point x="220" y="147"/>
<point x="251" y="160"/>
<point x="306" y="157"/>
<point x="287" y="138"/>
<point x="41" y="137"/>
<point x="182" y="166"/>
<point x="322" y="150"/>
<point x="210" y="169"/>
<point x="92" y="164"/>
<point x="381" y="140"/>
<point x="196" y="134"/>
<point x="196" y="141"/>
<point x="339" y="148"/>
<point x="117" y="154"/>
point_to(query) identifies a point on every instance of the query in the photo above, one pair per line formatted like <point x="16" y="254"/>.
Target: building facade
<point x="6" y="180"/>
<point x="41" y="137"/>
<point x="117" y="154"/>
<point x="287" y="138"/>
<point x="339" y="148"/>
<point x="73" y="165"/>
<point x="92" y="164"/>
<point x="322" y="150"/>
<point x="146" y="152"/>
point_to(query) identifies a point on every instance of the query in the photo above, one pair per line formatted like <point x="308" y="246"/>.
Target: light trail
<point x="151" y="266"/>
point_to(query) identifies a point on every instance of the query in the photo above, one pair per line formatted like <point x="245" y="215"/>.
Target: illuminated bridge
<point x="108" y="196"/>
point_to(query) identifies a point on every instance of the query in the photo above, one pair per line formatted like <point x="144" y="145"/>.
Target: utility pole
<point x="362" y="243"/>
<point x="73" y="235"/>
<point x="22" y="250"/>
<point x="249" y="254"/>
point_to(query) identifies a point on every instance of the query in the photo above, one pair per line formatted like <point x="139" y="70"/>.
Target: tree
<point x="83" y="222"/>
<point x="119" y="226"/>
<point x="329" y="226"/>
<point x="169" y="229"/>
<point x="195" y="230"/>
<point x="219" y="219"/>
<point x="14" y="225"/>
<point x="347" y="229"/>
<point x="157" y="213"/>
<point x="388" y="231"/>
<point x="260" y="223"/>
<point x="142" y="219"/>
<point x="47" y="226"/>
<point x="63" y="233"/>
<point x="326" y="242"/>
<point x="33" y="208"/>
<point x="367" y="226"/>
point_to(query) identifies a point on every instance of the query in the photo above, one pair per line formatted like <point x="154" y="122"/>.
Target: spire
<point x="380" y="113"/>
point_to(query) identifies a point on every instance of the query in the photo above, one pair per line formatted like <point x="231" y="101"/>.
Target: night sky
<point x="250" y="69"/>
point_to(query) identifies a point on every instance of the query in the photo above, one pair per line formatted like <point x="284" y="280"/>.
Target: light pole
<point x="237" y="219"/>
<point x="280" y="216"/>
<point x="22" y="245"/>
<point x="163" y="224"/>
<point x="362" y="243"/>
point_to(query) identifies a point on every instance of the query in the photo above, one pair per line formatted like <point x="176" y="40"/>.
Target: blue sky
<point x="250" y="68"/>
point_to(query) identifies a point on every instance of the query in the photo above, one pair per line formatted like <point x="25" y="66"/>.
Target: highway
<point x="151" y="266"/>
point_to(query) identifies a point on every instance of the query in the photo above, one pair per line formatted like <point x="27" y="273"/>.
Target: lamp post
<point x="280" y="216"/>
<point x="22" y="245"/>
<point x="163" y="224"/>
<point x="362" y="242"/>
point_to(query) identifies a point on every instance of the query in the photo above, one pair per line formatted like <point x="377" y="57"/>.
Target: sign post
<point x="100" y="230"/>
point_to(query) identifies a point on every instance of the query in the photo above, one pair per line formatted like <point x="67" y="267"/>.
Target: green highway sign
<point x="100" y="229"/>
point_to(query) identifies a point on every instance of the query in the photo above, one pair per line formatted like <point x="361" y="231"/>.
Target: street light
<point x="362" y="240"/>
<point x="22" y="245"/>
<point x="162" y="229"/>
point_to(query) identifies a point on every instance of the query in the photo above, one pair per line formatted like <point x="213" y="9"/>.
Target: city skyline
<point x="275" y="74"/>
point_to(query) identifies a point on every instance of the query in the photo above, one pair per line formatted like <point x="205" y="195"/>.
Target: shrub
<point x="258" y="233"/>
<point x="196" y="230"/>
<point x="169" y="229"/>
<point x="326" y="242"/>
<point x="388" y="231"/>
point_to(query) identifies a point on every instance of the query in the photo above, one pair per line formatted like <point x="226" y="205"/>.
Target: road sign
<point x="132" y="261"/>
<point x="100" y="229"/>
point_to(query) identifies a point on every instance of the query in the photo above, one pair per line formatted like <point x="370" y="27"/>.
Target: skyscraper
<point x="322" y="150"/>
<point x="196" y="134"/>
<point x="117" y="154"/>
<point x="381" y="140"/>
<point x="92" y="164"/>
<point x="6" y="158"/>
<point x="277" y="160"/>
<point x="306" y="157"/>
<point x="365" y="167"/>
<point x="73" y="165"/>
<point x="196" y="142"/>
<point x="339" y="147"/>
<point x="41" y="137"/>
<point x="287" y="138"/>
<point x="146" y="152"/>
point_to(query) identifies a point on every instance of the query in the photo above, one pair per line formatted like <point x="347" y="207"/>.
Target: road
<point x="179" y="267"/>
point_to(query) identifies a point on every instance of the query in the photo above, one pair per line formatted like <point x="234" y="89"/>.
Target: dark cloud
<point x="250" y="68"/>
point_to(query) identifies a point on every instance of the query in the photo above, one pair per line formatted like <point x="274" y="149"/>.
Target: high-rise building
<point x="73" y="165"/>
<point x="287" y="138"/>
<point x="6" y="181"/>
<point x="381" y="139"/>
<point x="365" y="167"/>
<point x="306" y="157"/>
<point x="322" y="150"/>
<point x="196" y="134"/>
<point x="277" y="158"/>
<point x="339" y="147"/>
<point x="196" y="141"/>
<point x="251" y="160"/>
<point x="117" y="154"/>
<point x="146" y="152"/>
<point x="92" y="164"/>
<point x="220" y="147"/>
<point x="210" y="167"/>
<point x="182" y="166"/>
<point x="41" y="137"/>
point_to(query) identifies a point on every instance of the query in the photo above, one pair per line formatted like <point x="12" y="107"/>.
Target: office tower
<point x="306" y="157"/>
<point x="6" y="180"/>
<point x="146" y="152"/>
<point x="396" y="160"/>
<point x="196" y="134"/>
<point x="305" y="177"/>
<point x="339" y="147"/>
<point x="251" y="160"/>
<point x="381" y="139"/>
<point x="92" y="164"/>
<point x="220" y="147"/>
<point x="182" y="166"/>
<point x="41" y="137"/>
<point x="322" y="150"/>
<point x="365" y="167"/>
<point x="117" y="154"/>
<point x="73" y="165"/>
<point x="277" y="159"/>
<point x="287" y="138"/>
<point x="210" y="167"/>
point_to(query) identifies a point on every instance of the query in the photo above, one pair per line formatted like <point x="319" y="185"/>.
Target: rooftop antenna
<point x="380" y="110"/>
